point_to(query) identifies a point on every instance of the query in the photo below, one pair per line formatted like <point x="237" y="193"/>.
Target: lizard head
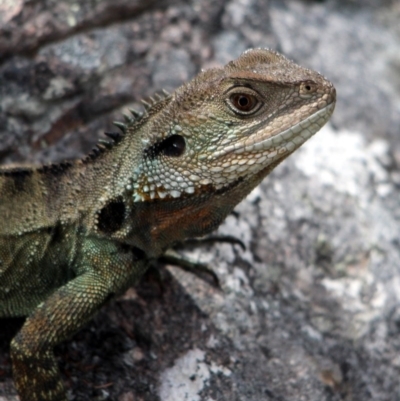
<point x="230" y="125"/>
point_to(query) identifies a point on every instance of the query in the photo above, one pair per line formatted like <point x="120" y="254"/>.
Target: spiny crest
<point x="55" y="168"/>
<point x="135" y="118"/>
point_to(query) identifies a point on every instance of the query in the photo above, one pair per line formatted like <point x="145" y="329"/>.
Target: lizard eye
<point x="244" y="103"/>
<point x="173" y="146"/>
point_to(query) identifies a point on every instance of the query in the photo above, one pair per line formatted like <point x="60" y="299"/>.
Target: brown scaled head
<point x="231" y="123"/>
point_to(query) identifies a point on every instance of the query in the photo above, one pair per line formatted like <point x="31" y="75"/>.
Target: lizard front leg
<point x="108" y="270"/>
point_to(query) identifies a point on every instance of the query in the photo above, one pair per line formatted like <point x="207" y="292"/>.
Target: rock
<point x="310" y="310"/>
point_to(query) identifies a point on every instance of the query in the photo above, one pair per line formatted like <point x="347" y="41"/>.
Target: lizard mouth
<point x="284" y="142"/>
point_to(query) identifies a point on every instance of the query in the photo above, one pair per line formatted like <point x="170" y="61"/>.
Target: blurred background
<point x="311" y="310"/>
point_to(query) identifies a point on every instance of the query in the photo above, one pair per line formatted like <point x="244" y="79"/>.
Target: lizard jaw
<point x="285" y="141"/>
<point x="296" y="135"/>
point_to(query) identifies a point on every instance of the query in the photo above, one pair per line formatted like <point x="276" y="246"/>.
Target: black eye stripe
<point x="173" y="146"/>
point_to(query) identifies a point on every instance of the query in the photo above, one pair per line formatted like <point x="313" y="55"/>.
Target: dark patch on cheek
<point x="111" y="217"/>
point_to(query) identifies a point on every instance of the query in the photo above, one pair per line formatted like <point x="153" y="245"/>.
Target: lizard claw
<point x="200" y="270"/>
<point x="229" y="239"/>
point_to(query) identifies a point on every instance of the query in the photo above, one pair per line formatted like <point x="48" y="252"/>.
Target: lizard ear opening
<point x="173" y="146"/>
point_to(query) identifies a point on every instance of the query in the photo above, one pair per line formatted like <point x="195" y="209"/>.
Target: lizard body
<point x="77" y="233"/>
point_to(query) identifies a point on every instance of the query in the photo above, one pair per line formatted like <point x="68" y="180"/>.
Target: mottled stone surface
<point x="311" y="310"/>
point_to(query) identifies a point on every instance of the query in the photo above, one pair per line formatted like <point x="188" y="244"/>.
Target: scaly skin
<point x="75" y="234"/>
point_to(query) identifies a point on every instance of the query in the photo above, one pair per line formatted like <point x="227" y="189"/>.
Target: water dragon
<point x="75" y="234"/>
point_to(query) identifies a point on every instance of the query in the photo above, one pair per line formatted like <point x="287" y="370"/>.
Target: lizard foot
<point x="230" y="239"/>
<point x="201" y="270"/>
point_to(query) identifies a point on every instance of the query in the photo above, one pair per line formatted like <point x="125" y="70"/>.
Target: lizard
<point x="77" y="233"/>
